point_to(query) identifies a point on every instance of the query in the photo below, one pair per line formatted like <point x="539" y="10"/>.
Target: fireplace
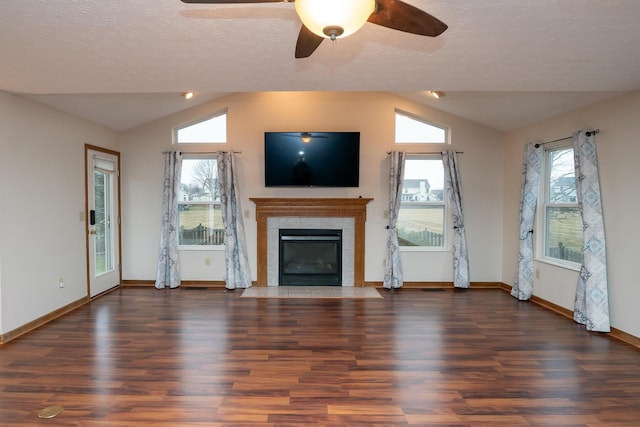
<point x="273" y="214"/>
<point x="309" y="257"/>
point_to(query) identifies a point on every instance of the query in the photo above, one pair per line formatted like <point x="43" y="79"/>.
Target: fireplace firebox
<point x="310" y="257"/>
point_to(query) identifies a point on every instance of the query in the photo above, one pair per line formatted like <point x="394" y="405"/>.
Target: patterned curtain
<point x="238" y="274"/>
<point x="168" y="273"/>
<point x="393" y="269"/>
<point x="454" y="190"/>
<point x="592" y="300"/>
<point x="533" y="158"/>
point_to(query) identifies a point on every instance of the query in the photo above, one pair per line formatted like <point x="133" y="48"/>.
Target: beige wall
<point x="618" y="153"/>
<point x="372" y="114"/>
<point x="42" y="192"/>
<point x="41" y="200"/>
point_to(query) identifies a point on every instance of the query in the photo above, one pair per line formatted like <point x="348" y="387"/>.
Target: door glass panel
<point x="104" y="249"/>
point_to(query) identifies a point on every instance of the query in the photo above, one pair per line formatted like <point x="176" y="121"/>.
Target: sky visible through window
<point x="213" y="130"/>
<point x="562" y="164"/>
<point x="430" y="169"/>
<point x="186" y="173"/>
<point x="411" y="130"/>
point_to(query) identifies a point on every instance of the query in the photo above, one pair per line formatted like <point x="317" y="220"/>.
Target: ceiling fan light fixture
<point x="305" y="137"/>
<point x="333" y="31"/>
<point x="334" y="18"/>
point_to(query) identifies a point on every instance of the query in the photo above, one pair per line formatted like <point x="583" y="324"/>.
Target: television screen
<point x="312" y="159"/>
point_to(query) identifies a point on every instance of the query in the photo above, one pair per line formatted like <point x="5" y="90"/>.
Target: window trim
<point x="446" y="129"/>
<point x="218" y="113"/>
<point x="446" y="247"/>
<point x="541" y="211"/>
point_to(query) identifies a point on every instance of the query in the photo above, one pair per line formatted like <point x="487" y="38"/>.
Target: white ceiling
<point x="503" y="63"/>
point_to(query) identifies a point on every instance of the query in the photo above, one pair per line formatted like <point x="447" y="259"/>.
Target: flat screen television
<point x="312" y="159"/>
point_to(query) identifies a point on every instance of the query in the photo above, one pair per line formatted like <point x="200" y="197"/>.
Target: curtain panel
<point x="238" y="274"/>
<point x="533" y="158"/>
<point x="454" y="190"/>
<point x="168" y="273"/>
<point x="393" y="277"/>
<point x="592" y="300"/>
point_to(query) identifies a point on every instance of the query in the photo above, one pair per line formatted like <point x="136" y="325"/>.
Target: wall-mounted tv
<point x="312" y="159"/>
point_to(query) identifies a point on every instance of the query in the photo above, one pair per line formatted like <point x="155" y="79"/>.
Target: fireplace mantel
<point x="317" y="208"/>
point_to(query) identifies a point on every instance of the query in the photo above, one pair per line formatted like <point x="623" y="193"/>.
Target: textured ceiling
<point x="503" y="63"/>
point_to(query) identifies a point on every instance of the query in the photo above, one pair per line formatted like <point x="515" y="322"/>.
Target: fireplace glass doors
<point x="310" y="257"/>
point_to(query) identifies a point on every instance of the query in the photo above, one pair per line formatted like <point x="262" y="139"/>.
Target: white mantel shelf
<point x="355" y="208"/>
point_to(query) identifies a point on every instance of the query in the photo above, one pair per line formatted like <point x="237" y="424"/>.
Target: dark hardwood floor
<point x="207" y="357"/>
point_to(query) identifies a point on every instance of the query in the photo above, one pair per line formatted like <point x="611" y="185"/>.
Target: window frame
<point x="213" y="203"/>
<point x="446" y="246"/>
<point x="219" y="113"/>
<point x="545" y="203"/>
<point x="445" y="129"/>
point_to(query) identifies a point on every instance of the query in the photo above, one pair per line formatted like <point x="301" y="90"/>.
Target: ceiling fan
<point x="305" y="137"/>
<point x="332" y="19"/>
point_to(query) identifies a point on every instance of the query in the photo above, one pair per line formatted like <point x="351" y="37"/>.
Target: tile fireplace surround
<point x="346" y="214"/>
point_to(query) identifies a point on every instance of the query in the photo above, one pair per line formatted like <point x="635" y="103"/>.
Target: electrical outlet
<point x="207" y="261"/>
<point x="537" y="273"/>
<point x="61" y="282"/>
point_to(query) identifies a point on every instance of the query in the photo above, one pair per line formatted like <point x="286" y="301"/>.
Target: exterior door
<point x="103" y="219"/>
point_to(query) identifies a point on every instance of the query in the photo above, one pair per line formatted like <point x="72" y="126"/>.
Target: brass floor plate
<point x="50" y="411"/>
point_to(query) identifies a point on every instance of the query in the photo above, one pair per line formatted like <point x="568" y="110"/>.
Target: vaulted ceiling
<point x="503" y="63"/>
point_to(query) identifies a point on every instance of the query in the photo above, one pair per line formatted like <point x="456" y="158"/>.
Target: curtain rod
<point x="589" y="133"/>
<point x="208" y="152"/>
<point x="428" y="152"/>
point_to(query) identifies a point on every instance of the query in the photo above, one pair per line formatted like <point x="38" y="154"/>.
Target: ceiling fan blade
<point x="234" y="1"/>
<point x="307" y="43"/>
<point x="401" y="16"/>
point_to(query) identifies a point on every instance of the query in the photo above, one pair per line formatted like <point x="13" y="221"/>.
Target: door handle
<point x="92" y="231"/>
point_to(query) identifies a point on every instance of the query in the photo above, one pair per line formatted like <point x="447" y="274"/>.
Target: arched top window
<point x="211" y="130"/>
<point x="411" y="129"/>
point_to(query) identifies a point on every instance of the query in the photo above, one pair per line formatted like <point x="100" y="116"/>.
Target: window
<point x="563" y="237"/>
<point x="103" y="178"/>
<point x="199" y="211"/>
<point x="414" y="130"/>
<point x="421" y="220"/>
<point x="212" y="130"/>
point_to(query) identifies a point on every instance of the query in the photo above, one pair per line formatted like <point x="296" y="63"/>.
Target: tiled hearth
<point x="348" y="215"/>
<point x="310" y="292"/>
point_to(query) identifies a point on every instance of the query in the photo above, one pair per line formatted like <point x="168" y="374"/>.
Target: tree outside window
<point x="563" y="238"/>
<point x="199" y="215"/>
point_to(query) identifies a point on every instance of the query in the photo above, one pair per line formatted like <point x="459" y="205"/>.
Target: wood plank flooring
<point x="139" y="357"/>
